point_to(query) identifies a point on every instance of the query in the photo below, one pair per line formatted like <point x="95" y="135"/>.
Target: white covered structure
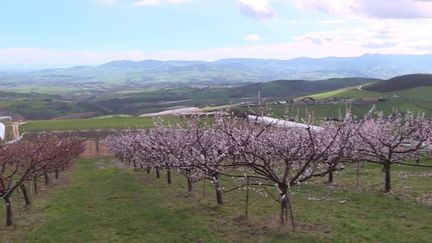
<point x="2" y="131"/>
<point x="281" y="123"/>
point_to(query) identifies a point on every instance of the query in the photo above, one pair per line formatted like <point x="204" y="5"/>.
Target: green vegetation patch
<point x="88" y="124"/>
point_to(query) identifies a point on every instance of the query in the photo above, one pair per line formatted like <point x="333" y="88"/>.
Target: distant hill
<point x="401" y="83"/>
<point x="228" y="71"/>
<point x="292" y="88"/>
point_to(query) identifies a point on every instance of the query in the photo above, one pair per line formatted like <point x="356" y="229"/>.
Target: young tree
<point x="282" y="156"/>
<point x="391" y="140"/>
<point x="210" y="151"/>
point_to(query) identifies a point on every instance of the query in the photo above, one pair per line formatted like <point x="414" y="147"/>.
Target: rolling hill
<point x="225" y="71"/>
<point x="401" y="83"/>
<point x="293" y="88"/>
<point x="402" y="93"/>
<point x="136" y="101"/>
<point x="139" y="101"/>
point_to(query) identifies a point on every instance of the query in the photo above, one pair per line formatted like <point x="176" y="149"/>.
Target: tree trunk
<point x="189" y="184"/>
<point x="285" y="205"/>
<point x="157" y="173"/>
<point x="283" y="194"/>
<point x="168" y="171"/>
<point x="330" y="177"/>
<point x="218" y="189"/>
<point x="47" y="181"/>
<point x="148" y="169"/>
<point x="8" y="211"/>
<point x="25" y="194"/>
<point x="57" y="174"/>
<point x="35" y="185"/>
<point x="30" y="189"/>
<point x="387" y="168"/>
<point x="97" y="145"/>
<point x="204" y="189"/>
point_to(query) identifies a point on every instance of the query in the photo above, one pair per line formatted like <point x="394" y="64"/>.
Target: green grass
<point x="87" y="124"/>
<point x="351" y="92"/>
<point x="103" y="202"/>
<point x="419" y="93"/>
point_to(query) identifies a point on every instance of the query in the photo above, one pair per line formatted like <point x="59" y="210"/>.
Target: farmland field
<point x="87" y="124"/>
<point x="102" y="201"/>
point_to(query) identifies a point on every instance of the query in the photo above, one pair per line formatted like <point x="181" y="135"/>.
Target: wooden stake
<point x="247" y="197"/>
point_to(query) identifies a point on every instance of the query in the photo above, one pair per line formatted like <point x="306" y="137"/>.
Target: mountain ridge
<point x="231" y="70"/>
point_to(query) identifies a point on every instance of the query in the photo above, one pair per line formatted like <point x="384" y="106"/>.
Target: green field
<point x="414" y="100"/>
<point x="105" y="202"/>
<point x="350" y="92"/>
<point x="417" y="93"/>
<point x="88" y="124"/>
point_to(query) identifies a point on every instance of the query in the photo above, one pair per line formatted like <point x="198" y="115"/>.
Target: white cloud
<point x="392" y="36"/>
<point x="252" y="37"/>
<point x="257" y="9"/>
<point x="396" y="9"/>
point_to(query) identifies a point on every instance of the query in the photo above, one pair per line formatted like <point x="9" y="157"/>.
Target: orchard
<point x="273" y="157"/>
<point x="25" y="161"/>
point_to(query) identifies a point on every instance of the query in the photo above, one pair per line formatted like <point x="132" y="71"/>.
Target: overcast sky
<point x="75" y="32"/>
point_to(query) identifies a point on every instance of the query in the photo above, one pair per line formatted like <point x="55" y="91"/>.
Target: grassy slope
<point x="351" y="92"/>
<point x="87" y="124"/>
<point x="105" y="203"/>
<point x="41" y="109"/>
<point x="414" y="99"/>
<point x="402" y="82"/>
<point x="420" y="93"/>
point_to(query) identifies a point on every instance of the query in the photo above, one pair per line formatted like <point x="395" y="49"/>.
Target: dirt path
<point x="178" y="111"/>
<point x="15" y="131"/>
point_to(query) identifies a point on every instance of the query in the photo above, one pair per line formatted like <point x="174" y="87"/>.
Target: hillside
<point x="136" y="101"/>
<point x="167" y="98"/>
<point x="225" y="71"/>
<point x="409" y="93"/>
<point x="293" y="88"/>
<point x="401" y="83"/>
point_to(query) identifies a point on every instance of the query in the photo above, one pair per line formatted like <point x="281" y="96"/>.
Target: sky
<point x="47" y="33"/>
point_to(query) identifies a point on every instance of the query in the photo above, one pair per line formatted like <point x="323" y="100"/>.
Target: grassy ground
<point x="104" y="202"/>
<point x="87" y="124"/>
<point x="351" y="92"/>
